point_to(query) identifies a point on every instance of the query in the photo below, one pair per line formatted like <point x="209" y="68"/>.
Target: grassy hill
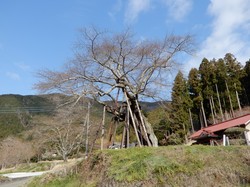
<point x="162" y="166"/>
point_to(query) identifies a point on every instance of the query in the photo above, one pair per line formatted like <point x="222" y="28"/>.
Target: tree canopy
<point x="105" y="62"/>
<point x="110" y="66"/>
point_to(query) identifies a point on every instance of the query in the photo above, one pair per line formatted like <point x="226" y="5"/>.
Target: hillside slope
<point x="192" y="166"/>
<point x="16" y="112"/>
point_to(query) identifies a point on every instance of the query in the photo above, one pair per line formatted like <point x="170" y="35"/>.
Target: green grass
<point x="139" y="163"/>
<point x="41" y="166"/>
<point x="68" y="181"/>
<point x="129" y="164"/>
<point x="30" y="167"/>
<point x="173" y="164"/>
<point x="162" y="166"/>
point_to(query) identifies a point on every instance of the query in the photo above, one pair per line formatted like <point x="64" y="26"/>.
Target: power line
<point x="16" y="109"/>
<point x="30" y="109"/>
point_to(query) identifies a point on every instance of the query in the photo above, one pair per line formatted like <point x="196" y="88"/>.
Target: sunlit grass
<point x="30" y="167"/>
<point x="162" y="166"/>
<point x="68" y="181"/>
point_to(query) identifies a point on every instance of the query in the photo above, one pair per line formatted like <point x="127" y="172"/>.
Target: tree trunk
<point x="191" y="120"/>
<point x="65" y="157"/>
<point x="150" y="132"/>
<point x="230" y="100"/>
<point x="130" y="112"/>
<point x="218" y="96"/>
<point x="238" y="100"/>
<point x="203" y="114"/>
<point x="212" y="111"/>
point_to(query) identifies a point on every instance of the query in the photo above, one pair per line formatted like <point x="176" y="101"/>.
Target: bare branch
<point x="105" y="62"/>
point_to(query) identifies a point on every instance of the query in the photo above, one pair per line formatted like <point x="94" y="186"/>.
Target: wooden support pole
<point x="110" y="133"/>
<point x="123" y="137"/>
<point x="142" y="124"/>
<point x="114" y="133"/>
<point x="133" y="120"/>
<point x="127" y="128"/>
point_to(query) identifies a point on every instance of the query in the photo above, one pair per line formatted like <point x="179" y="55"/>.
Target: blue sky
<point x="40" y="34"/>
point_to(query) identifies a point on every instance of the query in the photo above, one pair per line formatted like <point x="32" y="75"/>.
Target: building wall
<point x="247" y="133"/>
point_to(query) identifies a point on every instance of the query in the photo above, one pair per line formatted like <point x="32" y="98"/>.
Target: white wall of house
<point x="247" y="133"/>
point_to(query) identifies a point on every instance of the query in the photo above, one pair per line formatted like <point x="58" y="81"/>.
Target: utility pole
<point x="87" y="132"/>
<point x="103" y="125"/>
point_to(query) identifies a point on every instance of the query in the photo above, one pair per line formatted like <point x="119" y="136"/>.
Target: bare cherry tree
<point x="15" y="151"/>
<point x="65" y="131"/>
<point x="116" y="67"/>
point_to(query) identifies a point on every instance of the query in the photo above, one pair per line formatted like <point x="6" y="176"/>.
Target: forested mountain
<point x="17" y="112"/>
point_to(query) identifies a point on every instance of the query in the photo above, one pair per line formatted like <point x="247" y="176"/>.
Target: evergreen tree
<point x="194" y="86"/>
<point x="221" y="77"/>
<point x="235" y="73"/>
<point x="159" y="118"/>
<point x="181" y="103"/>
<point x="208" y="80"/>
<point x="246" y="84"/>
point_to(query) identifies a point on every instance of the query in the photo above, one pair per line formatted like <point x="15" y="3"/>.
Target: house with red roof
<point x="216" y="131"/>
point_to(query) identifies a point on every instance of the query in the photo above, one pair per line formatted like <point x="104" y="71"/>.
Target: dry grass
<point x="172" y="166"/>
<point x="191" y="166"/>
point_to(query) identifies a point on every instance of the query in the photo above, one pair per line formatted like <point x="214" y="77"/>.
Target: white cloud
<point x="23" y="66"/>
<point x="134" y="8"/>
<point x="229" y="31"/>
<point x="178" y="9"/>
<point x="13" y="76"/>
<point x="115" y="9"/>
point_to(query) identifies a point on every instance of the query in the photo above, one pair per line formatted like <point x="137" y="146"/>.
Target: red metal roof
<point x="242" y="120"/>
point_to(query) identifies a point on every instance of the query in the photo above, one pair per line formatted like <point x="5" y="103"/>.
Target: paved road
<point x="23" y="174"/>
<point x="19" y="179"/>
